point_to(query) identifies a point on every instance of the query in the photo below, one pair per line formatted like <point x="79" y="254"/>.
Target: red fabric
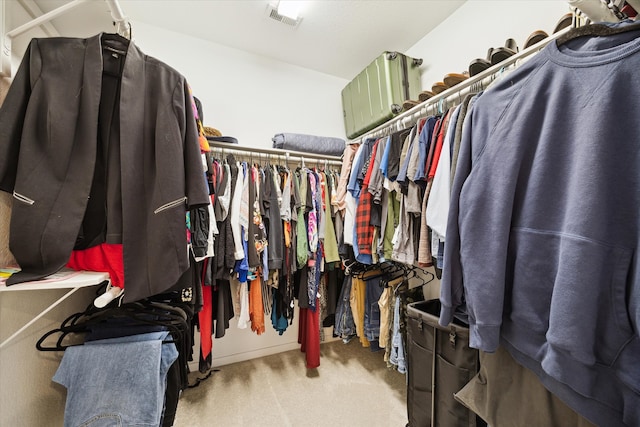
<point x="364" y="229"/>
<point x="421" y="124"/>
<point x="204" y="322"/>
<point x="309" y="335"/>
<point x="104" y="257"/>
<point x="432" y="145"/>
<point x="438" y="149"/>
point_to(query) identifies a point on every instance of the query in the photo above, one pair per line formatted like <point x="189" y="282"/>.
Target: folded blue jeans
<point x="117" y="381"/>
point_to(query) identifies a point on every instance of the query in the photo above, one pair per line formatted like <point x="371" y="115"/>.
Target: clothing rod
<point x="116" y="10"/>
<point x="482" y="79"/>
<point x="44" y="18"/>
<point x="117" y="15"/>
<point x="288" y="154"/>
<point x="114" y="6"/>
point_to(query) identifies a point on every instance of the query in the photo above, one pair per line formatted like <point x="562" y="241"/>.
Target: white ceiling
<point x="336" y="37"/>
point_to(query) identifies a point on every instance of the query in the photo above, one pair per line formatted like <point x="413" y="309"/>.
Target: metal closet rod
<point x="275" y="152"/>
<point x="114" y="6"/>
<point x="456" y="93"/>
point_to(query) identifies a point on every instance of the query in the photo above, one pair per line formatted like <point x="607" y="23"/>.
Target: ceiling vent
<point x="272" y="12"/>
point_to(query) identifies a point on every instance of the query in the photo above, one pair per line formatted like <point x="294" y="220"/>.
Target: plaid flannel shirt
<point x="364" y="229"/>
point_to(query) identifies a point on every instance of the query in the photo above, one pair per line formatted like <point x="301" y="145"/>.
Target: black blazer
<point x="48" y="139"/>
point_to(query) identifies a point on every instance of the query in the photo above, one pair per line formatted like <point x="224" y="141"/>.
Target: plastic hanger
<point x="599" y="30"/>
<point x="124" y="29"/>
<point x="111" y="293"/>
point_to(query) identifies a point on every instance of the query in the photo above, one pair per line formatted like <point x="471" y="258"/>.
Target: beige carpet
<point x="352" y="387"/>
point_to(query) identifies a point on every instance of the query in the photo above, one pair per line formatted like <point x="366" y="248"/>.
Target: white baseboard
<point x="255" y="354"/>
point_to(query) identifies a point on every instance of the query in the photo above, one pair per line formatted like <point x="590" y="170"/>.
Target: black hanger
<point x="174" y="319"/>
<point x="412" y="272"/>
<point x="600" y="30"/>
<point x="423" y="281"/>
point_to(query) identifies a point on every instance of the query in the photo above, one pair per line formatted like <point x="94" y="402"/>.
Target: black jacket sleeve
<point x="199" y="230"/>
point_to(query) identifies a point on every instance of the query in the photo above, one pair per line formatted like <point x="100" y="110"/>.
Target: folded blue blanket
<point x="309" y="143"/>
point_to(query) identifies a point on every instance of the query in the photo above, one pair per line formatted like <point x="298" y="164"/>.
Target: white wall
<point x="248" y="96"/>
<point x="29" y="397"/>
<point x="478" y="25"/>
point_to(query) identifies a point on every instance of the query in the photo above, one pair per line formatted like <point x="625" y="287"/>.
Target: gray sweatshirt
<point x="544" y="224"/>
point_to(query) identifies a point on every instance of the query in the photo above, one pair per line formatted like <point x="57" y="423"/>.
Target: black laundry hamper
<point x="439" y="364"/>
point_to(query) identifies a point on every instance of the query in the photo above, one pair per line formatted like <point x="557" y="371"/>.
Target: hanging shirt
<point x="321" y="208"/>
<point x="234" y="213"/>
<point x="285" y="211"/>
<point x="414" y="159"/>
<point x="438" y="202"/>
<point x="393" y="223"/>
<point x="347" y="161"/>
<point x="330" y="241"/>
<point x="424" y="253"/>
<point x="273" y="221"/>
<point x="361" y="156"/>
<point x="438" y="145"/>
<point x="255" y="236"/>
<point x="364" y="229"/>
<point x="277" y="182"/>
<point x="354" y="189"/>
<point x="302" y="242"/>
<point x="244" y="201"/>
<point x="405" y="158"/>
<point x="376" y="180"/>
<point x="312" y="226"/>
<point x="312" y="282"/>
<point x="432" y="146"/>
<point x="396" y="144"/>
<point x="403" y="244"/>
<point x="225" y="197"/>
<point x="295" y="208"/>
<point x="424" y="142"/>
<point x="350" y="200"/>
<point x="455" y="149"/>
<point x="335" y="177"/>
<point x="242" y="268"/>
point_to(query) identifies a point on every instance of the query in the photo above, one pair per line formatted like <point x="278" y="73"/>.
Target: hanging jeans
<point x="397" y="345"/>
<point x="117" y="381"/>
<point x="372" y="309"/>
<point x="344" y="326"/>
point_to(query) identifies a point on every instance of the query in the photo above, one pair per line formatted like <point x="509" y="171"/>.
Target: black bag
<point x="439" y="364"/>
